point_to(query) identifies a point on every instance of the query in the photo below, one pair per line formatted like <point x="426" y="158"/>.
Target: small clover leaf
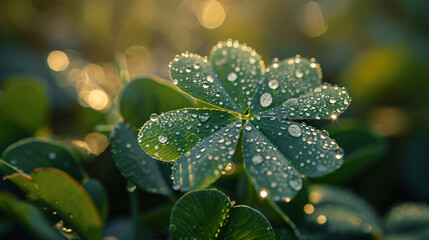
<point x="259" y="104"/>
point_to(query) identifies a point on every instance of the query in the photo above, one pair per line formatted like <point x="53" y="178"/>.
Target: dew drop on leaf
<point x="257" y="159"/>
<point x="204" y="117"/>
<point x="248" y="128"/>
<point x="210" y="79"/>
<point x="52" y="155"/>
<point x="266" y="100"/>
<point x="162" y="139"/>
<point x="273" y="84"/>
<point x="294" y="130"/>
<point x="153" y="117"/>
<point x="299" y="74"/>
<point x="232" y="76"/>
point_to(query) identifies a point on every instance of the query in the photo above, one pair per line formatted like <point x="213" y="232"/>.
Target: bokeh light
<point x="58" y="61"/>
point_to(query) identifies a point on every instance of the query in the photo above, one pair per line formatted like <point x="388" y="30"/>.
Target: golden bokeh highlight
<point x="211" y="14"/>
<point x="98" y="99"/>
<point x="314" y="196"/>
<point x="312" y="22"/>
<point x="58" y="61"/>
<point x="96" y="142"/>
<point x="309" y="208"/>
<point x="321" y="219"/>
<point x="263" y="193"/>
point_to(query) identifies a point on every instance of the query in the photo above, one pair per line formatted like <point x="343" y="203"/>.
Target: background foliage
<point x="59" y="80"/>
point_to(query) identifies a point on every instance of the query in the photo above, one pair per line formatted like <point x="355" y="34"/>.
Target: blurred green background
<point x="59" y="76"/>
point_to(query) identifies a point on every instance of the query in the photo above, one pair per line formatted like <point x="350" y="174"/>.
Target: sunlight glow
<point x="211" y="14"/>
<point x="58" y="61"/>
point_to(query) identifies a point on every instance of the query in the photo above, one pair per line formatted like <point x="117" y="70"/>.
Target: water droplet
<point x="188" y="70"/>
<point x="294" y="130"/>
<point x="153" y="117"/>
<point x="196" y="66"/>
<point x="175" y="81"/>
<point x="162" y="139"/>
<point x="299" y="74"/>
<point x="52" y="155"/>
<point x="332" y="100"/>
<point x="273" y="84"/>
<point x="232" y="76"/>
<point x="295" y="184"/>
<point x="266" y="100"/>
<point x="210" y="79"/>
<point x="206" y="86"/>
<point x="252" y="60"/>
<point x="257" y="159"/>
<point x="204" y="117"/>
<point x="346" y="102"/>
<point x="128" y="145"/>
<point x="248" y="128"/>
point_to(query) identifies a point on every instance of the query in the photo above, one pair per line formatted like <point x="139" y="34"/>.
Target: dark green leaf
<point x="28" y="216"/>
<point x="239" y="68"/>
<point x="278" y="151"/>
<point x="99" y="196"/>
<point x="408" y="221"/>
<point x="144" y="96"/>
<point x="209" y="214"/>
<point x="136" y="165"/>
<point x="284" y="80"/>
<point x="31" y="153"/>
<point x="204" y="163"/>
<point x="325" y="101"/>
<point x="338" y="214"/>
<point x="60" y="192"/>
<point x="196" y="77"/>
<point x="169" y="135"/>
<point x="270" y="171"/>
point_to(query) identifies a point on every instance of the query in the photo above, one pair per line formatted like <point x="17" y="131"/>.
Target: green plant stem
<point x="288" y="222"/>
<point x="134" y="205"/>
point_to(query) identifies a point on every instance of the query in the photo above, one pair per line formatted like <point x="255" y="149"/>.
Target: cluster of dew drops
<point x="243" y="77"/>
<point x="266" y="99"/>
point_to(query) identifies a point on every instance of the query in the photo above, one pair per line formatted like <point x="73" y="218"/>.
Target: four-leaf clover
<point x="261" y="105"/>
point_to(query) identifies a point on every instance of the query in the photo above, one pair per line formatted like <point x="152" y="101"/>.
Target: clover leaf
<point x="261" y="105"/>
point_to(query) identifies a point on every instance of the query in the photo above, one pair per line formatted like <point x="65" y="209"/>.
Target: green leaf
<point x="193" y="75"/>
<point x="239" y="69"/>
<point x="98" y="194"/>
<point x="204" y="163"/>
<point x="136" y="165"/>
<point x="209" y="214"/>
<point x="28" y="216"/>
<point x="144" y="96"/>
<point x="325" y="101"/>
<point x="338" y="214"/>
<point x="408" y="221"/>
<point x="269" y="170"/>
<point x="284" y="80"/>
<point x="169" y="135"/>
<point x="60" y="192"/>
<point x="31" y="153"/>
<point x="278" y="151"/>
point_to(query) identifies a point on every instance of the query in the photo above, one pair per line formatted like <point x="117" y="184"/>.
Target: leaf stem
<point x="289" y="223"/>
<point x="134" y="205"/>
